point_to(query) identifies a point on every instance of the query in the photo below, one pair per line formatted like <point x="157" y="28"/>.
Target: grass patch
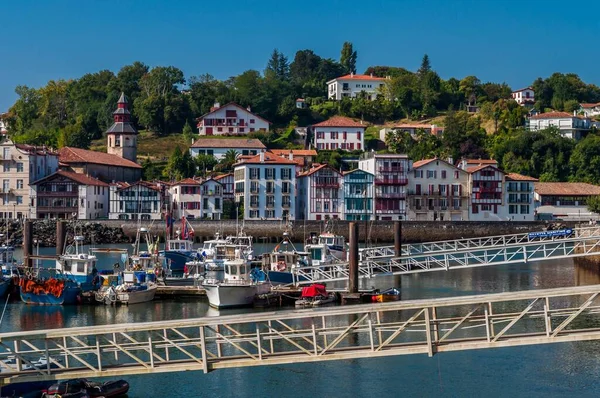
<point x="150" y="145"/>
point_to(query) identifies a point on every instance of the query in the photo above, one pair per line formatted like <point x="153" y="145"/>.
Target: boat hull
<point x="127" y="298"/>
<point x="178" y="259"/>
<point x="175" y="281"/>
<point x="69" y="296"/>
<point x="4" y="286"/>
<point x="231" y="296"/>
<point x="283" y="278"/>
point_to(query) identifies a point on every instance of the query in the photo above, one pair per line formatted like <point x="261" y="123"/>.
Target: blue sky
<point x="496" y="40"/>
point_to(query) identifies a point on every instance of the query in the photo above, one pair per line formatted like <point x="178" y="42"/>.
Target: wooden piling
<point x="397" y="238"/>
<point x="28" y="243"/>
<point x="61" y="234"/>
<point x="353" y="258"/>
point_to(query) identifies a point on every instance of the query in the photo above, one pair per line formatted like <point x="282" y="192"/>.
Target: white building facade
<point x="320" y="194"/>
<point x="437" y="191"/>
<point x="21" y="165"/>
<point x="185" y="198"/>
<point x="230" y="119"/>
<point x="589" y="110"/>
<point x="265" y="186"/>
<point x="519" y="197"/>
<point x="139" y="201"/>
<point x="218" y="147"/>
<point x="352" y="85"/>
<point x="339" y="132"/>
<point x="391" y="180"/>
<point x="211" y="197"/>
<point x="570" y="126"/>
<point x="524" y="96"/>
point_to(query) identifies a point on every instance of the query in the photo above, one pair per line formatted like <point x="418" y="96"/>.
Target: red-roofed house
<point x="19" y="166"/>
<point x="320" y="195"/>
<point x="570" y="126"/>
<point x="339" y="132"/>
<point x="103" y="166"/>
<point x="565" y="200"/>
<point x="486" y="187"/>
<point x="589" y="110"/>
<point x="524" y="96"/>
<point x="68" y="195"/>
<point x="412" y="129"/>
<point x="352" y="85"/>
<point x="438" y="191"/>
<point x="230" y="119"/>
<point x="141" y="200"/>
<point x="265" y="187"/>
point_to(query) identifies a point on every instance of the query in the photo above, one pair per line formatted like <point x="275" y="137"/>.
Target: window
<point x="431" y="174"/>
<point x="255" y="173"/>
<point x="251" y="121"/>
<point x="456" y="204"/>
<point x="524" y="209"/>
<point x="19" y="200"/>
<point x="19" y="167"/>
<point x="270" y="187"/>
<point x="254" y="186"/>
<point x="19" y="184"/>
<point x="285" y="187"/>
<point x="270" y="173"/>
<point x="270" y="214"/>
<point x="217" y="204"/>
<point x="6" y="167"/>
<point x="486" y="207"/>
<point x="254" y="201"/>
<point x="456" y="174"/>
<point x="205" y="204"/>
<point x="286" y="173"/>
<point x="254" y="214"/>
<point x="270" y="201"/>
<point x="512" y="209"/>
<point x="443" y="173"/>
<point x="358" y="135"/>
<point x="418" y="173"/>
<point x="475" y="209"/>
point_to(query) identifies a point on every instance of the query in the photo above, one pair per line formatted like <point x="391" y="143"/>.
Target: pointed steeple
<point x="122" y="134"/>
<point x="122" y="119"/>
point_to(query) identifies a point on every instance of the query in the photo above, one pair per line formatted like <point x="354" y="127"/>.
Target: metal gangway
<point x="378" y="252"/>
<point x="580" y="242"/>
<point x="371" y="330"/>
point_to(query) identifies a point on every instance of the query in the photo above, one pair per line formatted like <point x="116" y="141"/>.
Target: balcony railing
<point x="389" y="211"/>
<point x="391" y="169"/>
<point x="286" y="204"/>
<point x="254" y="204"/>
<point x="519" y="200"/>
<point x="391" y="181"/>
<point x="487" y="189"/>
<point x="61" y="209"/>
<point x="392" y="195"/>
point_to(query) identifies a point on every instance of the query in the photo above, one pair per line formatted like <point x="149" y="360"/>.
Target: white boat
<point x="237" y="289"/>
<point x="79" y="266"/>
<point x="280" y="263"/>
<point x="220" y="251"/>
<point x="148" y="260"/>
<point x="127" y="294"/>
<point x="335" y="243"/>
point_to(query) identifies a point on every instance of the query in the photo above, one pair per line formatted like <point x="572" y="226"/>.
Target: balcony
<point x="334" y="185"/>
<point x="391" y="181"/>
<point x="519" y="200"/>
<point x="270" y="205"/>
<point x="286" y="205"/>
<point x="391" y="169"/>
<point x="54" y="209"/>
<point x="254" y="204"/>
<point x="487" y="189"/>
<point x="389" y="211"/>
<point x="7" y="191"/>
<point x="391" y="195"/>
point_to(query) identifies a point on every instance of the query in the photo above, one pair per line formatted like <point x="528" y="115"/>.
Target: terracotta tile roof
<point x="552" y="115"/>
<point x="523" y="89"/>
<point x="295" y="152"/>
<point x="39" y="150"/>
<point x="124" y="185"/>
<point x="313" y="170"/>
<point x="269" y="158"/>
<point x="566" y="189"/>
<point x="589" y="105"/>
<point x="81" y="179"/>
<point x="423" y="162"/>
<point x="359" y="77"/>
<point x="481" y="167"/>
<point x="339" y="121"/>
<point x="519" y="177"/>
<point x="219" y="177"/>
<point x="231" y="143"/>
<point x="78" y="155"/>
<point x="187" y="181"/>
<point x="481" y="161"/>
<point x="234" y="105"/>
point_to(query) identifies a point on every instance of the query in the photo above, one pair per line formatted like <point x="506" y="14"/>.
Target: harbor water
<point x="543" y="370"/>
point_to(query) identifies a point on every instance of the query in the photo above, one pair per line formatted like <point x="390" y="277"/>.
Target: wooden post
<point x="28" y="243"/>
<point x="353" y="258"/>
<point x="397" y="238"/>
<point x="61" y="233"/>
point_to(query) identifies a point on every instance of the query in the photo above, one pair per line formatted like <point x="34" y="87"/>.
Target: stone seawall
<point x="379" y="232"/>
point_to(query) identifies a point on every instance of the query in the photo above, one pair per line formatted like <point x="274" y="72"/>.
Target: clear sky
<point x="496" y="40"/>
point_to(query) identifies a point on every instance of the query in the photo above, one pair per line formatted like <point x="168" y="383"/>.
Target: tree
<point x="227" y="162"/>
<point x="278" y="66"/>
<point x="348" y="58"/>
<point x="205" y="163"/>
<point x="593" y="204"/>
<point x="425" y="66"/>
<point x="585" y="160"/>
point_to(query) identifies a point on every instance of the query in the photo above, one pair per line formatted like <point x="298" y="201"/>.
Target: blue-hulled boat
<point x="81" y="267"/>
<point x="180" y="250"/>
<point x="47" y="287"/>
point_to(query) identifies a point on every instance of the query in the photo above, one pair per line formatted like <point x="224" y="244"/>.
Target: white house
<point x="412" y="129"/>
<point x="218" y="147"/>
<point x="519" y="197"/>
<point x="438" y="191"/>
<point x="227" y="183"/>
<point x="339" y="132"/>
<point x="352" y="85"/>
<point x="141" y="200"/>
<point x="564" y="200"/>
<point x="265" y="185"/>
<point x="211" y="195"/>
<point x="230" y="119"/>
<point x="524" y="96"/>
<point x="320" y="195"/>
<point x="185" y="198"/>
<point x="391" y="179"/>
<point x="570" y="126"/>
<point x="589" y="110"/>
<point x="68" y="195"/>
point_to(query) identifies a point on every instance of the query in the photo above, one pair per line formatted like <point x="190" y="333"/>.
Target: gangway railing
<point x="476" y="243"/>
<point x="371" y="330"/>
<point x="578" y="245"/>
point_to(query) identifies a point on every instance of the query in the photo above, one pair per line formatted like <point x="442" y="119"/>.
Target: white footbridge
<point x="361" y="331"/>
<point x="461" y="253"/>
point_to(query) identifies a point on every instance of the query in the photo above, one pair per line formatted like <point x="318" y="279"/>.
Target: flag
<point x="185" y="233"/>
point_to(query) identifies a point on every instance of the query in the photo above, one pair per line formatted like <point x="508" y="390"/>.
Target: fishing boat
<point x="335" y="243"/>
<point x="92" y="389"/>
<point x="391" y="294"/>
<point x="281" y="262"/>
<point x="193" y="272"/>
<point x="7" y="259"/>
<point x="239" y="284"/>
<point x="148" y="260"/>
<point x="314" y="296"/>
<point x="131" y="291"/>
<point x="48" y="287"/>
<point x="180" y="250"/>
<point x="220" y="251"/>
<point x="81" y="267"/>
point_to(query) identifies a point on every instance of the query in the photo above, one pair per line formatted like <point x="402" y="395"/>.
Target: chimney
<point x="249" y="109"/>
<point x="192" y="141"/>
<point x="291" y="156"/>
<point x="450" y="160"/>
<point x="371" y="75"/>
<point x="262" y="156"/>
<point x="351" y="74"/>
<point x="215" y="107"/>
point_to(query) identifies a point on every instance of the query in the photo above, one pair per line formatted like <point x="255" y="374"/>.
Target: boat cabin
<point x="7" y="259"/>
<point x="78" y="265"/>
<point x="225" y="252"/>
<point x="180" y="245"/>
<point x="236" y="270"/>
<point x="332" y="240"/>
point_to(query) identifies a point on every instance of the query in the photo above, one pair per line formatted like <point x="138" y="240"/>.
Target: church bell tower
<point x="122" y="135"/>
